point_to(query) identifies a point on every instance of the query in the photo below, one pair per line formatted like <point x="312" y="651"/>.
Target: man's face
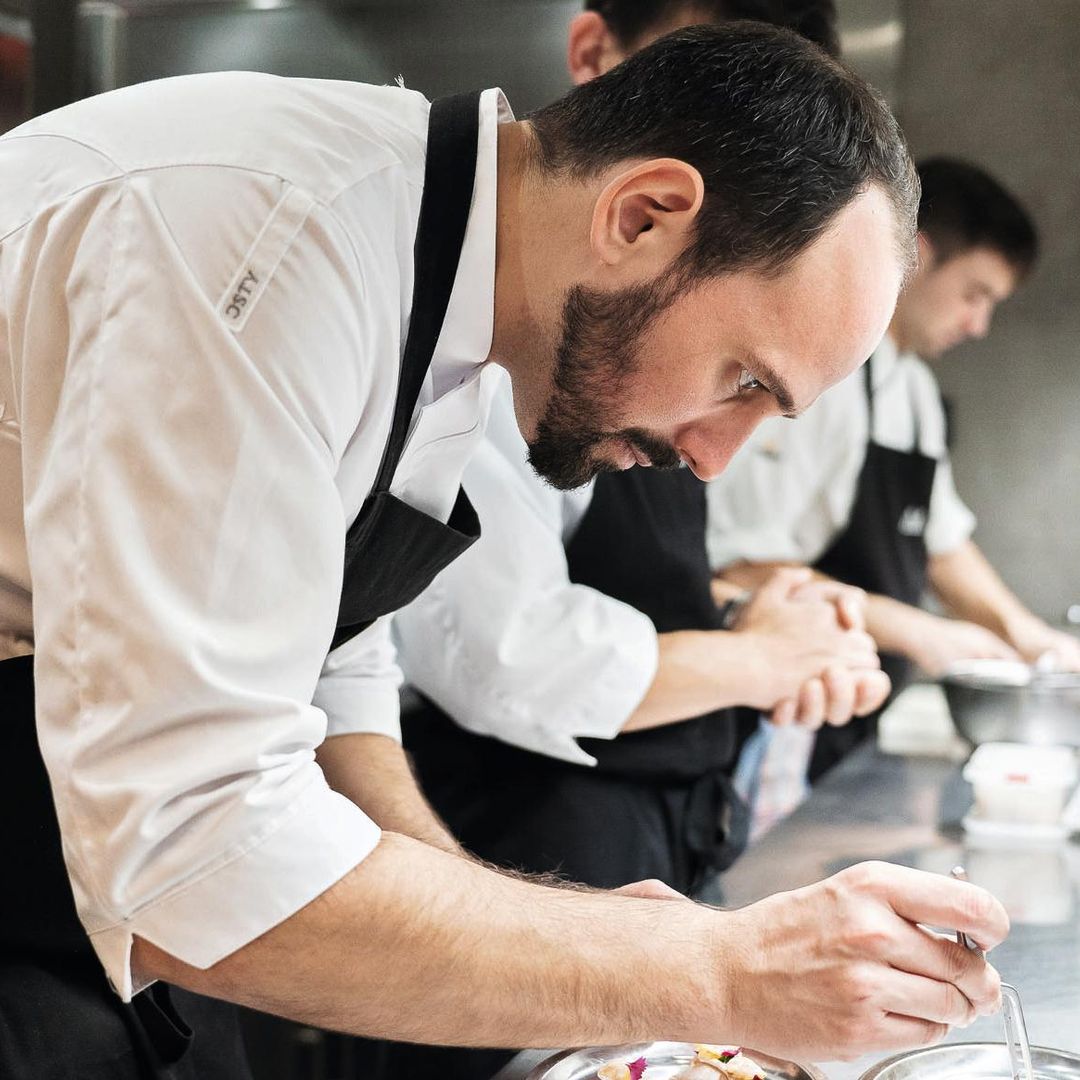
<point x="642" y="376"/>
<point x="953" y="300"/>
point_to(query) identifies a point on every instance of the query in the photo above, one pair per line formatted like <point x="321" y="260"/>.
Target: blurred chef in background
<point x="586" y="671"/>
<point x="861" y="488"/>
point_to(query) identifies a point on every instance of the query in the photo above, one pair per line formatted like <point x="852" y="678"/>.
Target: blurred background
<point x="992" y="80"/>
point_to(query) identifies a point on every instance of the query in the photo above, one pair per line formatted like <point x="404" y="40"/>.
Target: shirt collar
<point x="465" y="339"/>
<point x="885" y="359"/>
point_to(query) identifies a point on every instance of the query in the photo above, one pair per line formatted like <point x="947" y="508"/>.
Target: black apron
<point x="59" y="1020"/>
<point x="659" y="802"/>
<point x="882" y="550"/>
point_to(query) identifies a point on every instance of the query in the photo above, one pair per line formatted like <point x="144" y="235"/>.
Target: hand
<point x="1035" y="640"/>
<point x="849" y="600"/>
<point x="943" y="642"/>
<point x="816" y="663"/>
<point x="841" y="968"/>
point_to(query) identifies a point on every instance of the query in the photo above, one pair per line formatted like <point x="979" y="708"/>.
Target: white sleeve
<point x="359" y="688"/>
<point x="185" y="537"/>
<point x="507" y="645"/>
<point x="949" y="522"/>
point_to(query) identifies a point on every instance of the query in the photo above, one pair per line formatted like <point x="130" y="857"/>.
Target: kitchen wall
<point x="997" y="81"/>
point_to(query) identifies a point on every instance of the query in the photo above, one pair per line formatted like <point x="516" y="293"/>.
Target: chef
<point x="861" y="488"/>
<point x="249" y="330"/>
<point x="574" y="643"/>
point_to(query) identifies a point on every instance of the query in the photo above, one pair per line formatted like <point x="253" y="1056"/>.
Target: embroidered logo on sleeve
<point x="263" y="258"/>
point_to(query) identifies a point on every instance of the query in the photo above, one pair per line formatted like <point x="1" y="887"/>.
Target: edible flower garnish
<point x="617" y="1070"/>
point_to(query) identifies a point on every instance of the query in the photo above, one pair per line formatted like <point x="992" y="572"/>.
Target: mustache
<point x="659" y="452"/>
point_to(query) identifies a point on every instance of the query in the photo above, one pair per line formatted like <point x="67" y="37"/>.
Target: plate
<point x="973" y="1061"/>
<point x="665" y="1060"/>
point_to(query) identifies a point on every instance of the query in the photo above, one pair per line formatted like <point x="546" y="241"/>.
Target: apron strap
<point x="449" y="176"/>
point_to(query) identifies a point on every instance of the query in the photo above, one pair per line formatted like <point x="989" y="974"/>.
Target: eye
<point x="746" y="382"/>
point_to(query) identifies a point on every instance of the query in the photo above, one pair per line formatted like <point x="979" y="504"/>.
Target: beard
<point x="596" y="356"/>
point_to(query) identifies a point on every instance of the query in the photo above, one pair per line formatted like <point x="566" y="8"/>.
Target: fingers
<point x="780" y="586"/>
<point x="921" y="897"/>
<point x="859" y="650"/>
<point x="871" y="690"/>
<point x="895" y="1033"/>
<point x="811" y="708"/>
<point x="784" y="712"/>
<point x="840" y="691"/>
<point x="849" y="601"/>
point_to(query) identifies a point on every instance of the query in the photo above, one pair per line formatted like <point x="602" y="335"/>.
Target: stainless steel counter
<point x="907" y="810"/>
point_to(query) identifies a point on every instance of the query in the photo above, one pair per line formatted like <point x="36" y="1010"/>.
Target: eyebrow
<point x="775" y="385"/>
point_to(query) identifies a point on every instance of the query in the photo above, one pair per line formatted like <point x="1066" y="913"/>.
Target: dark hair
<point x="784" y="138"/>
<point x="964" y="207"/>
<point x="630" y="20"/>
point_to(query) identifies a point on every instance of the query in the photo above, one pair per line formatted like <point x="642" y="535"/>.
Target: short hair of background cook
<point x="964" y="207"/>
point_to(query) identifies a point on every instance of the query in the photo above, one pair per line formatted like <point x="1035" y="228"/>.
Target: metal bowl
<point x="665" y="1060"/>
<point x="999" y="701"/>
<point x="973" y="1061"/>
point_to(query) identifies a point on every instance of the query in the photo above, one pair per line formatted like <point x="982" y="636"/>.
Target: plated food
<point x="663" y="1060"/>
<point x="708" y="1063"/>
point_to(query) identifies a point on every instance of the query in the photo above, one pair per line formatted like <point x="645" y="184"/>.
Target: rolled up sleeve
<point x="185" y="537"/>
<point x="359" y="689"/>
<point x="508" y="645"/>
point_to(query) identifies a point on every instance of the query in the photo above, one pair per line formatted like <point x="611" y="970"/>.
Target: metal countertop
<point x="907" y="810"/>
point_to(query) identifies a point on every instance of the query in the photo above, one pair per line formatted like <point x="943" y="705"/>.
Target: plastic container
<point x="1016" y="784"/>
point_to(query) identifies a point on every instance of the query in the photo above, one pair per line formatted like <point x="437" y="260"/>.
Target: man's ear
<point x="591" y="47"/>
<point x="647" y="211"/>
<point x="927" y="252"/>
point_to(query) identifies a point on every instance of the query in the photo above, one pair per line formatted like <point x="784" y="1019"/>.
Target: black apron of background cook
<point x="59" y="1020"/>
<point x="882" y="550"/>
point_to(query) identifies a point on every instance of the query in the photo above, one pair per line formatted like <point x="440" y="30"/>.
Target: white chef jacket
<point x="502" y="639"/>
<point x="789" y="492"/>
<point x="186" y="467"/>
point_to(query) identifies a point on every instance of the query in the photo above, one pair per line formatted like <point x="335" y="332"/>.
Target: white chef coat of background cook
<point x="191" y="464"/>
<point x="789" y="492"/>
<point x="502" y="640"/>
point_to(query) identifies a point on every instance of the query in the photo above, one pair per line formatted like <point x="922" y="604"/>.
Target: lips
<point x="643" y="460"/>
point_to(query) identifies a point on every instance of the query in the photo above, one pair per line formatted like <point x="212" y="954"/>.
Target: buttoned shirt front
<point x="503" y="640"/>
<point x="206" y="285"/>
<point x="789" y="491"/>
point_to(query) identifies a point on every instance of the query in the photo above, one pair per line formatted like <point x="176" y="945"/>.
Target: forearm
<point x="895" y="626"/>
<point x="697" y="672"/>
<point x="416" y="945"/>
<point x="971" y="589"/>
<point x="374" y="772"/>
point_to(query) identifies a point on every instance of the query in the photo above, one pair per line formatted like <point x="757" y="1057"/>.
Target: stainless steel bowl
<point x="999" y="701"/>
<point x="973" y="1061"/>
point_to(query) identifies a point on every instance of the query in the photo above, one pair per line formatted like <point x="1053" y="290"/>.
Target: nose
<point x="708" y="445"/>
